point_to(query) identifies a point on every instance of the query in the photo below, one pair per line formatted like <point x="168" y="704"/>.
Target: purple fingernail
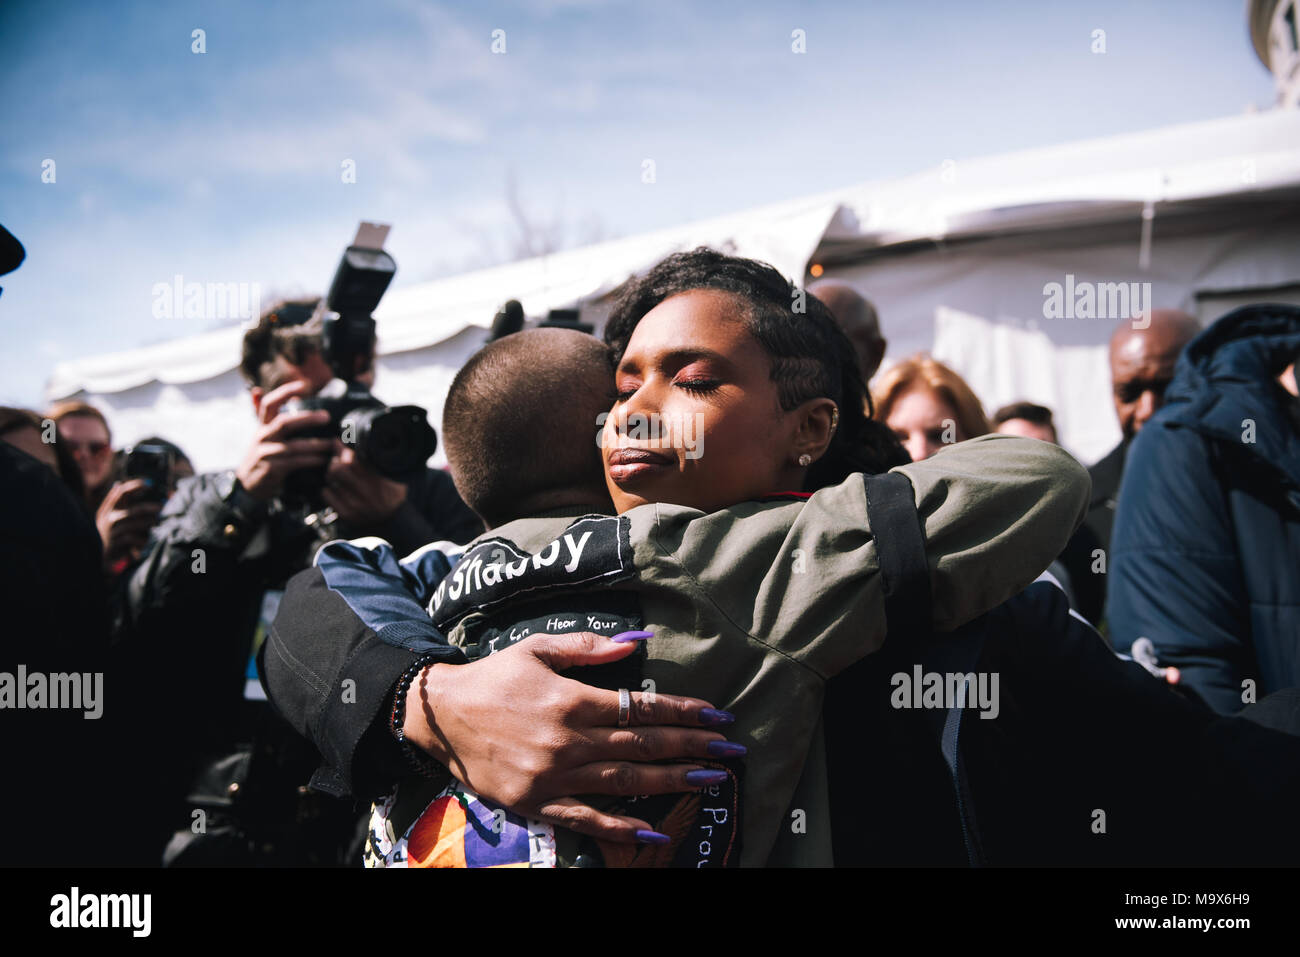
<point x="705" y="777"/>
<point x="652" y="837"/>
<point x="714" y="716"/>
<point x="633" y="636"/>
<point x="726" y="749"/>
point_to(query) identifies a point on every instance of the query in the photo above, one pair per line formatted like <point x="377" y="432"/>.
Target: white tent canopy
<point x="955" y="260"/>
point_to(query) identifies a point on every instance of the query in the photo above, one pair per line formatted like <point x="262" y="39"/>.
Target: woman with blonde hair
<point x="927" y="406"/>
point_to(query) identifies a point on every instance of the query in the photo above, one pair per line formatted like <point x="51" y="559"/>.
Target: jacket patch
<point x="704" y="827"/>
<point x="592" y="550"/>
<point x="457" y="829"/>
<point x="605" y="613"/>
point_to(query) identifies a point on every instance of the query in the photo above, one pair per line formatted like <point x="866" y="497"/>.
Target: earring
<point x="805" y="460"/>
<point x="835" y="418"/>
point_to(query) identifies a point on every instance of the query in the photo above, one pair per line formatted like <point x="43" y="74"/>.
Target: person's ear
<point x="818" y="420"/>
<point x="258" y="393"/>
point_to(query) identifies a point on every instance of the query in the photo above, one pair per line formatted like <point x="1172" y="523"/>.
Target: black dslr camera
<point x="396" y="442"/>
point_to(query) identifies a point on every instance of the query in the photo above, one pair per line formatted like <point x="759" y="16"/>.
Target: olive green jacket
<point x="753" y="608"/>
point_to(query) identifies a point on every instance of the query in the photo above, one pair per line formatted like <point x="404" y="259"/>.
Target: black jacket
<point x="56" y="621"/>
<point x="1087" y="569"/>
<point x="317" y="643"/>
<point x="1082" y="730"/>
<point x="194" y="599"/>
<point x="186" y="616"/>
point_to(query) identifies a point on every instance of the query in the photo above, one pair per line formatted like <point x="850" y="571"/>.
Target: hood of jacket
<point x="1225" y="385"/>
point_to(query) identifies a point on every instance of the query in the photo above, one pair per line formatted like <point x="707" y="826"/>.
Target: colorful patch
<point x="457" y="829"/>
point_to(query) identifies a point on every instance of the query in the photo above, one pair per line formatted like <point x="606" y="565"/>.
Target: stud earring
<point x="805" y="460"/>
<point x="835" y="418"/>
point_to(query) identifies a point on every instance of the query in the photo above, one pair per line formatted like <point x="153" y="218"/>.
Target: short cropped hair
<point x="1039" y="415"/>
<point x="290" y="328"/>
<point x="520" y="420"/>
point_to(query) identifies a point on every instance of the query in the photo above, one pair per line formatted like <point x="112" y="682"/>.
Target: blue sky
<point x="225" y="166"/>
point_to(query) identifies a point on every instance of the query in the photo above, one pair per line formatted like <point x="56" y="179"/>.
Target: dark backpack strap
<point x="957" y="652"/>
<point x="900" y="549"/>
<point x="905" y="577"/>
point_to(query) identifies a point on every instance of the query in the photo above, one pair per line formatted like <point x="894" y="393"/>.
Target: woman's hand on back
<point x="526" y="738"/>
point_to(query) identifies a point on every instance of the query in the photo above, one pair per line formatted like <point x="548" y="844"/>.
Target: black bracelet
<point x="416" y="759"/>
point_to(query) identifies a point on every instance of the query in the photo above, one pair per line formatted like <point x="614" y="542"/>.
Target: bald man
<point x="1142" y="365"/>
<point x="857" y="317"/>
<point x="1205" y="561"/>
<point x="1142" y="362"/>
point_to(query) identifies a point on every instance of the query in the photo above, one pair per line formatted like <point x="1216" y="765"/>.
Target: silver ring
<point x="624" y="707"/>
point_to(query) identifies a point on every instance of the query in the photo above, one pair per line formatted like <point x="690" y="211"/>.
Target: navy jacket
<point x="1205" y="560"/>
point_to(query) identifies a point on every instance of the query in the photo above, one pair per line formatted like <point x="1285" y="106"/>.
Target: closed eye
<point x="699" y="386"/>
<point x="626" y="389"/>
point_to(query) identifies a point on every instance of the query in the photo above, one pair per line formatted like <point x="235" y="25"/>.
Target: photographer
<point x="210" y="579"/>
<point x="146" y="476"/>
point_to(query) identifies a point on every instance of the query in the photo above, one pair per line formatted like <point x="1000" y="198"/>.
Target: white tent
<point x="955" y="259"/>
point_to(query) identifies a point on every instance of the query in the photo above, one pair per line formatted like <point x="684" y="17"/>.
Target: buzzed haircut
<point x="1039" y="415"/>
<point x="520" y="420"/>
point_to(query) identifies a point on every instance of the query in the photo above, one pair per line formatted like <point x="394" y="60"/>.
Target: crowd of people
<point x="309" y="663"/>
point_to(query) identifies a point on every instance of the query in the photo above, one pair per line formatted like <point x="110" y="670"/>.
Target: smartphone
<point x="153" y="463"/>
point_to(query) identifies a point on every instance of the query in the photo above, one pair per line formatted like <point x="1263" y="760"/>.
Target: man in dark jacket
<point x="211" y="575"/>
<point x="1143" y="357"/>
<point x="1206" y="558"/>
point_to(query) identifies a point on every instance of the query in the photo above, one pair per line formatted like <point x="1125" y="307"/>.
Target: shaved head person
<point x="1142" y="362"/>
<point x="1142" y="365"/>
<point x="857" y="317"/>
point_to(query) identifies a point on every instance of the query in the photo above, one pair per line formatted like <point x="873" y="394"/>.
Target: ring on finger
<point x="624" y="707"/>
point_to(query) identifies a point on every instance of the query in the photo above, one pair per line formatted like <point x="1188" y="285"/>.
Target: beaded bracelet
<point x="419" y="762"/>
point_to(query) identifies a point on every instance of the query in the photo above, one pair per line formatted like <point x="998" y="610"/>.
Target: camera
<point x="396" y="442"/>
